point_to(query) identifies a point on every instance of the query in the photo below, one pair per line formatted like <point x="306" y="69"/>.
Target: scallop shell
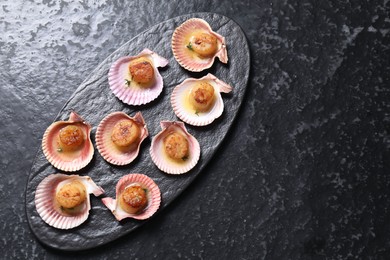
<point x="159" y="156"/>
<point x="46" y="205"/>
<point x="153" y="195"/>
<point x="182" y="108"/>
<point x="188" y="59"/>
<point x="107" y="148"/>
<point x="134" y="94"/>
<point x="68" y="161"/>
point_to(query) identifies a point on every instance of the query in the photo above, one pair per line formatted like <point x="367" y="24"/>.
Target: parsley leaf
<point x="189" y="46"/>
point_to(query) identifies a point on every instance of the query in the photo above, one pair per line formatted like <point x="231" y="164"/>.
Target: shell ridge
<point x="92" y="187"/>
<point x="74" y="117"/>
<point x="109" y="203"/>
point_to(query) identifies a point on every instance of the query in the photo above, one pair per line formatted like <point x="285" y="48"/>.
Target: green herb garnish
<point x="59" y="149"/>
<point x="197" y="112"/>
<point x="189" y="46"/>
<point x="185" y="158"/>
<point x="127" y="82"/>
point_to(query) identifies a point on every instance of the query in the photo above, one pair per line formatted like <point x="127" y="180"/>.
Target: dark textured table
<point x="302" y="174"/>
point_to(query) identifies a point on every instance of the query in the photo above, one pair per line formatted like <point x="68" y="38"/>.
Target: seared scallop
<point x="135" y="80"/>
<point x="195" y="45"/>
<point x="67" y="144"/>
<point x="119" y="137"/>
<point x="63" y="202"/>
<point x="199" y="102"/>
<point x="174" y="150"/>
<point x="137" y="196"/>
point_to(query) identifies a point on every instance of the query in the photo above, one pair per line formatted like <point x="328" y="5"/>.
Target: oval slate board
<point x="93" y="100"/>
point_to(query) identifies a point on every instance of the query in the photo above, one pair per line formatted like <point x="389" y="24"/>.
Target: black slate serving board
<point x="93" y="100"/>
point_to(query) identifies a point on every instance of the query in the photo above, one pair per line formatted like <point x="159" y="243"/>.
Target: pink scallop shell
<point x="45" y="200"/>
<point x="107" y="148"/>
<point x="67" y="161"/>
<point x="180" y="51"/>
<point x="133" y="95"/>
<point x="159" y="157"/>
<point x="154" y="197"/>
<point x="190" y="116"/>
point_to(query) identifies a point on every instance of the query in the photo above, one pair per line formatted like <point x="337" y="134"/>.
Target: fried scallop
<point x="119" y="137"/>
<point x="63" y="202"/>
<point x="125" y="133"/>
<point x="173" y="149"/>
<point x="195" y="45"/>
<point x="70" y="137"/>
<point x="202" y="96"/>
<point x="141" y="71"/>
<point x="71" y="195"/>
<point x="137" y="196"/>
<point x="176" y="146"/>
<point x="199" y="102"/>
<point x="135" y="80"/>
<point x="204" y="44"/>
<point x="133" y="199"/>
<point x="67" y="144"/>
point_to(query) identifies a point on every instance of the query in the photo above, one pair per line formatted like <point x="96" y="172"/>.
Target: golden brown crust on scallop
<point x="203" y="44"/>
<point x="141" y="70"/>
<point x="176" y="146"/>
<point x="133" y="199"/>
<point x="202" y="96"/>
<point x="125" y="133"/>
<point x="71" y="195"/>
<point x="71" y="137"/>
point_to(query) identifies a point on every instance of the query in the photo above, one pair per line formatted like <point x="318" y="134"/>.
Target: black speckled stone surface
<point x="304" y="173"/>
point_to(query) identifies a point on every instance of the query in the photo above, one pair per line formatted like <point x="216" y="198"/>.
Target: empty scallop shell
<point x="185" y="54"/>
<point x="68" y="159"/>
<point x="51" y="212"/>
<point x="161" y="158"/>
<point x="186" y="112"/>
<point x="153" y="195"/>
<point x="130" y="91"/>
<point x="107" y="148"/>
